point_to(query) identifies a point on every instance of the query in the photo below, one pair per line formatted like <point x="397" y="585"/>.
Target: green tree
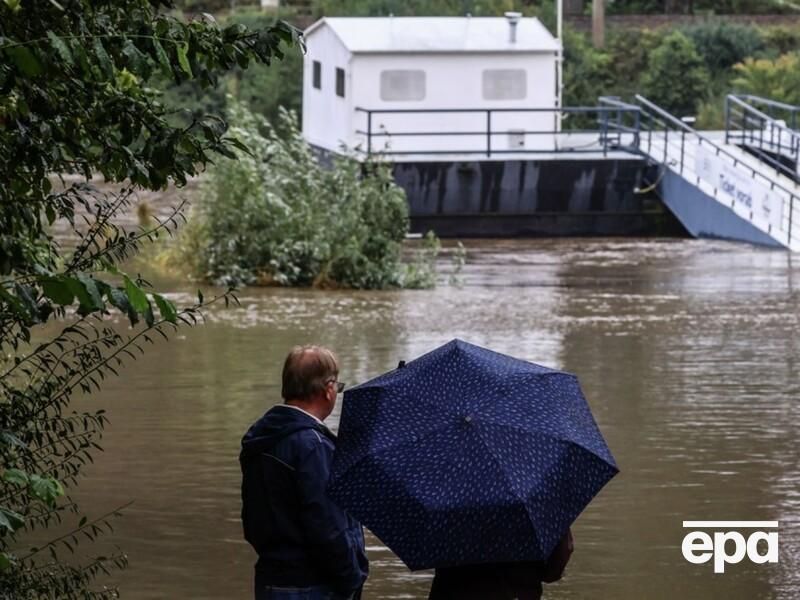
<point x="74" y="100"/>
<point x="777" y="79"/>
<point x="721" y="45"/>
<point x="676" y="78"/>
<point x="588" y="72"/>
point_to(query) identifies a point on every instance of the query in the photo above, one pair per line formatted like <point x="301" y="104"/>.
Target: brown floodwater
<point x="687" y="351"/>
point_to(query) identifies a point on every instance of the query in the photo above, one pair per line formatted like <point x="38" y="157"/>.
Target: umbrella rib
<point x="510" y="487"/>
<point x="544" y="433"/>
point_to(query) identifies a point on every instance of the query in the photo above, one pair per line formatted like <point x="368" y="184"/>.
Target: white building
<point x="477" y="72"/>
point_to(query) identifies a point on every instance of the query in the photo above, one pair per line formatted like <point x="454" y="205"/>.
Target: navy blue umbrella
<point x="468" y="456"/>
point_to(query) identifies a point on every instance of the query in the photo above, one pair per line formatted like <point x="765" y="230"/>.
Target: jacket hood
<point x="277" y="423"/>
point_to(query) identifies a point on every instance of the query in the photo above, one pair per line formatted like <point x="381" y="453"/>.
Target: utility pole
<point x="559" y="65"/>
<point x="598" y="23"/>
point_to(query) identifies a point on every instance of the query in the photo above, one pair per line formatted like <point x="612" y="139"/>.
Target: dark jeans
<point x="316" y="592"/>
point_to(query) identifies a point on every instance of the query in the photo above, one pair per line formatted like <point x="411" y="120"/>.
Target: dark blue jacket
<point x="302" y="538"/>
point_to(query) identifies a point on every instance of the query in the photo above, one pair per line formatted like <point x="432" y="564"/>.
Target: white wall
<point x="452" y="81"/>
<point x="327" y="118"/>
<point x="455" y="81"/>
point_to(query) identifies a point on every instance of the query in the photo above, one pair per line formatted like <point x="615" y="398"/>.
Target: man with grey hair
<point x="308" y="548"/>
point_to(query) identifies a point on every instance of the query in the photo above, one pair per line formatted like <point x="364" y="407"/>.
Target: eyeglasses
<point x="339" y="385"/>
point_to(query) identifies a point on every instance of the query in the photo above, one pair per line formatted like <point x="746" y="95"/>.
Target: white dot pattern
<point x="468" y="456"/>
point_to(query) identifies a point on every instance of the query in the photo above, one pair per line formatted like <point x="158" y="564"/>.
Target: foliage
<point x="421" y="272"/>
<point x="74" y="100"/>
<point x="404" y="8"/>
<point x="748" y="7"/>
<point x="623" y="67"/>
<point x="676" y="77"/>
<point x="777" y="79"/>
<point x="587" y="71"/>
<point x="458" y="260"/>
<point x="265" y="88"/>
<point x="721" y="45"/>
<point x="781" y="39"/>
<point x="629" y="52"/>
<point x="635" y="7"/>
<point x="743" y="7"/>
<point x="277" y="216"/>
<point x="213" y="6"/>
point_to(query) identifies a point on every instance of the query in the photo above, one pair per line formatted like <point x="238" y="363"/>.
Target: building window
<point x="402" y="85"/>
<point x="317" y="74"/>
<point x="340" y="82"/>
<point x="505" y="84"/>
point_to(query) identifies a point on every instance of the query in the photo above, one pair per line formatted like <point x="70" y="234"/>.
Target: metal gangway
<point x="719" y="188"/>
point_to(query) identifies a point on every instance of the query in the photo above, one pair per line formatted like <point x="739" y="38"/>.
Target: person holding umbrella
<point x="473" y="463"/>
<point x="502" y="581"/>
<point x="308" y="547"/>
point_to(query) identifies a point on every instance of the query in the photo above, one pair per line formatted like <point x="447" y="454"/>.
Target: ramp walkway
<point x="719" y="189"/>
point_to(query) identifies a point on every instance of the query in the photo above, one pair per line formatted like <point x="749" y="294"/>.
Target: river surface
<point x="687" y="351"/>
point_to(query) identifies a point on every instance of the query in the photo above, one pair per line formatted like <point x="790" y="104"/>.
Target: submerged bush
<point x="277" y="216"/>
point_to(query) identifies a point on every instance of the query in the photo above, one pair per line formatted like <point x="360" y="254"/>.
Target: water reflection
<point x="686" y="350"/>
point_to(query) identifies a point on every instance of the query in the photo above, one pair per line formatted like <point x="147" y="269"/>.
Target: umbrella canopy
<point x="468" y="456"/>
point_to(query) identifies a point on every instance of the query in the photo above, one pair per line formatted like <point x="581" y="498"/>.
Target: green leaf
<point x="50" y="212"/>
<point x="161" y="56"/>
<point x="183" y="58"/>
<point x="60" y="47"/>
<point x="103" y="57"/>
<point x="14" y="5"/>
<point x="45" y="489"/>
<point x="15" y="476"/>
<point x="12" y="301"/>
<point x="5" y="561"/>
<point x="10" y="520"/>
<point x="27" y="296"/>
<point x="149" y="317"/>
<point x="59" y="291"/>
<point x="136" y="296"/>
<point x="25" y="60"/>
<point x="166" y="308"/>
<point x="79" y="290"/>
<point x="134" y="55"/>
<point x="92" y="291"/>
<point x="9" y="439"/>
<point x="119" y="298"/>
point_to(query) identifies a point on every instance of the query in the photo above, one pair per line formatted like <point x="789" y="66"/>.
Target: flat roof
<point x="438" y="34"/>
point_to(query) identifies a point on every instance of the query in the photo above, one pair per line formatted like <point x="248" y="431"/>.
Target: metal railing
<point x="629" y="118"/>
<point x="610" y="128"/>
<point x="673" y="143"/>
<point x="762" y="133"/>
<point x="780" y="111"/>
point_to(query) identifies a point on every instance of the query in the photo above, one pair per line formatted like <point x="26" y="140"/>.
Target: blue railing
<point x="615" y="127"/>
<point x="765" y="128"/>
<point x="661" y="128"/>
